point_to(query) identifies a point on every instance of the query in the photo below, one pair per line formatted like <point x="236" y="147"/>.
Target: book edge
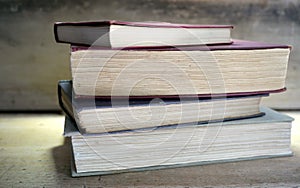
<point x="206" y="95"/>
<point x="77" y="130"/>
<point x="234" y="44"/>
<point x="141" y="24"/>
<point x="159" y="167"/>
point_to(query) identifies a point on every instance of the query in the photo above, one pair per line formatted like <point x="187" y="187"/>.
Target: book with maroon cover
<point x="106" y="115"/>
<point x="124" y="34"/>
<point x="242" y="68"/>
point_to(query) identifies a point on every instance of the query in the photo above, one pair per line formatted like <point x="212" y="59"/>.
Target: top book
<point x="118" y="34"/>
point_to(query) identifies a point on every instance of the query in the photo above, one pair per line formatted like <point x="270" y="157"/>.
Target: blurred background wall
<point x="32" y="63"/>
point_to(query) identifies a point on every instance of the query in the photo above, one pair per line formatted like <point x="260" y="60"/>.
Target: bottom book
<point x="179" y="145"/>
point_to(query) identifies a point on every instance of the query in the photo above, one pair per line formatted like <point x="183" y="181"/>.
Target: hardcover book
<point x="241" y="68"/>
<point x="109" y="115"/>
<point x="183" y="145"/>
<point x="123" y="34"/>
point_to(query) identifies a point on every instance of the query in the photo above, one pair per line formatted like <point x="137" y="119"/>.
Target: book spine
<point x="60" y="101"/>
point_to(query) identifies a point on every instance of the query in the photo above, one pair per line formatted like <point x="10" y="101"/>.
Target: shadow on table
<point x="62" y="158"/>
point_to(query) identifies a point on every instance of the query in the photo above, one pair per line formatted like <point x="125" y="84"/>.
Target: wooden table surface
<point x="35" y="154"/>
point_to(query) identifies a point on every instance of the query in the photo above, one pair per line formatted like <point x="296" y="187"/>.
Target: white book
<point x="179" y="146"/>
<point x="99" y="115"/>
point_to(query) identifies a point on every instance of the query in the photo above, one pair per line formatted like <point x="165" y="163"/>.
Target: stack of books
<point x="149" y="95"/>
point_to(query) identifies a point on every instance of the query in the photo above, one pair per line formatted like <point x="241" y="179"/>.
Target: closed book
<point x="123" y="34"/>
<point x="183" y="145"/>
<point x="241" y="68"/>
<point x="110" y="115"/>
